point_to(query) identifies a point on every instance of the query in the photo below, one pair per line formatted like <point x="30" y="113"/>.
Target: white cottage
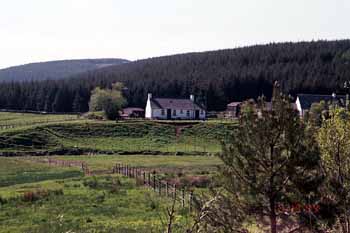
<point x="304" y="102"/>
<point x="171" y="109"/>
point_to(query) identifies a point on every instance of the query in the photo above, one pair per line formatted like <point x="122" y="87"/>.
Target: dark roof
<point x="168" y="103"/>
<point x="306" y="100"/>
<point x="131" y="110"/>
<point x="234" y="104"/>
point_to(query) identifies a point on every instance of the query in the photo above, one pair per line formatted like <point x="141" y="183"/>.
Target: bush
<point x="111" y="110"/>
<point x="2" y="200"/>
<point x="116" y="184"/>
<point x="93" y="183"/>
<point x="32" y="196"/>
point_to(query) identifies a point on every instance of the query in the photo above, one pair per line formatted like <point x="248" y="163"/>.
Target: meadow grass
<point x="89" y="207"/>
<point x="122" y="137"/>
<point x="106" y="203"/>
<point x="25" y="119"/>
<point x="104" y="162"/>
<point x="15" y="171"/>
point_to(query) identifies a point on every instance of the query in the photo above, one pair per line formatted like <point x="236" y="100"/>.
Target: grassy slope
<point x="88" y="204"/>
<point x="117" y="137"/>
<point x="19" y="171"/>
<point x="15" y="119"/>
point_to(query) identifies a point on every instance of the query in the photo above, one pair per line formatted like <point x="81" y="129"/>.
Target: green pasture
<point x="137" y="137"/>
<point x="106" y="162"/>
<point x="73" y="203"/>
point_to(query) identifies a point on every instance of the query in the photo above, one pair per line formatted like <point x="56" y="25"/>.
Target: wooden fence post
<point x="149" y="179"/>
<point x="183" y="197"/>
<point x="190" y="201"/>
<point x="154" y="181"/>
<point x="144" y="177"/>
<point x="160" y="187"/>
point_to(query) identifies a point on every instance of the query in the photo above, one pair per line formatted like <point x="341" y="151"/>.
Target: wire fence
<point x="163" y="188"/>
<point x="182" y="195"/>
<point x="67" y="163"/>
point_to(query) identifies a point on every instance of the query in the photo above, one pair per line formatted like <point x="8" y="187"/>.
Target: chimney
<point x="149" y="96"/>
<point x="334" y="96"/>
<point x="192" y="98"/>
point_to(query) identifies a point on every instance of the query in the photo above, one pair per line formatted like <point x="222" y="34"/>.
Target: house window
<point x="202" y="112"/>
<point x="181" y="111"/>
<point x="163" y="112"/>
<point x="188" y="113"/>
<point x="174" y="112"/>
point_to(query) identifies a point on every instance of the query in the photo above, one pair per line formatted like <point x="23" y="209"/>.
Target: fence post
<point x="144" y="177"/>
<point x="160" y="187"/>
<point x="127" y="170"/>
<point x="183" y="197"/>
<point x="149" y="179"/>
<point x="154" y="181"/>
<point x="190" y="201"/>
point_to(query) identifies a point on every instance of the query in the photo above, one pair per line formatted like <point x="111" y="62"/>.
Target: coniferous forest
<point x="216" y="77"/>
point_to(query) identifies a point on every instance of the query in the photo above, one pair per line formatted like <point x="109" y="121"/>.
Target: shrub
<point x="2" y="200"/>
<point x="116" y="184"/>
<point x="91" y="183"/>
<point x="139" y="182"/>
<point x="32" y="196"/>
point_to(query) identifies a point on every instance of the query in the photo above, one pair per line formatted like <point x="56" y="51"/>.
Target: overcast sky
<point x="42" y="30"/>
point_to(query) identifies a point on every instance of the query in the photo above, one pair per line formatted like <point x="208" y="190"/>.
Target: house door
<point x="197" y="114"/>
<point x="168" y="114"/>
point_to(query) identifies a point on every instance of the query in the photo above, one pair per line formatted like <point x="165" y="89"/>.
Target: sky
<point x="44" y="30"/>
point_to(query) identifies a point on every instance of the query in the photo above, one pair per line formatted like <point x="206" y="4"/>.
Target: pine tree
<point x="270" y="159"/>
<point x="77" y="103"/>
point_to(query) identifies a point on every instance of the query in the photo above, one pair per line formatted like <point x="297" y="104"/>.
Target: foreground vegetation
<point x="38" y="198"/>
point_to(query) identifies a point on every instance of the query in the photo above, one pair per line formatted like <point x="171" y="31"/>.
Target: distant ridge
<point x="54" y="70"/>
<point x="216" y="78"/>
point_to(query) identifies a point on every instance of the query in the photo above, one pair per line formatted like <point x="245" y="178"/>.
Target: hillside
<point x="215" y="77"/>
<point x="78" y="137"/>
<point x="54" y="69"/>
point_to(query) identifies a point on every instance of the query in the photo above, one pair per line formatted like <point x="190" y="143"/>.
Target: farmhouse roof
<point x="131" y="110"/>
<point x="169" y="103"/>
<point x="306" y="100"/>
<point x="234" y="104"/>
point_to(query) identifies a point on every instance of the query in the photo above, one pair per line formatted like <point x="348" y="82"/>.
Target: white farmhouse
<point x="304" y="102"/>
<point x="171" y="109"/>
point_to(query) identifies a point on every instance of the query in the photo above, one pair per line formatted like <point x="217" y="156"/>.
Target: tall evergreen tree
<point x="270" y="160"/>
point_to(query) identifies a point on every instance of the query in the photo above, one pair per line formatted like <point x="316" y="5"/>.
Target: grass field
<point x="26" y="119"/>
<point x="35" y="197"/>
<point x="105" y="162"/>
<point x="62" y="200"/>
<point x="110" y="137"/>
